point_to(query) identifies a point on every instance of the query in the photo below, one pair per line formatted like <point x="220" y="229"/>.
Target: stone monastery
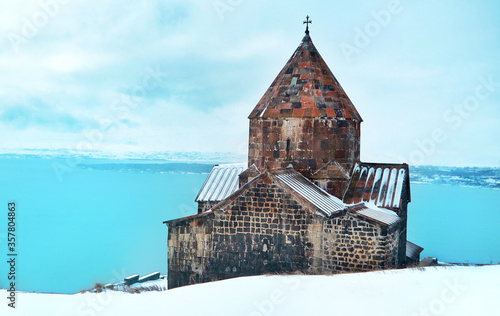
<point x="304" y="202"/>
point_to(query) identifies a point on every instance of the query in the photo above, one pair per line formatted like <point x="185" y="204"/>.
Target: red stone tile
<point x="309" y="105"/>
<point x="298" y="112"/>
<point x="306" y="99"/>
<point x="316" y="112"/>
<point x="347" y="114"/>
<point x="330" y="112"/>
<point x="272" y="113"/>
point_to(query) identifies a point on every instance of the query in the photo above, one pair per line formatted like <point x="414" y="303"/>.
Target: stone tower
<point x="305" y="118"/>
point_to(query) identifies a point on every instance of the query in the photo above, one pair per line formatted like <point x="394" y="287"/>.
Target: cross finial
<point x="307" y="22"/>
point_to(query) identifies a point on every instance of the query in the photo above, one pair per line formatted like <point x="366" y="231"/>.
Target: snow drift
<point x="423" y="291"/>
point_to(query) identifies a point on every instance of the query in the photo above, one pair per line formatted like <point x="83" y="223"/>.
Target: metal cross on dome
<point x="307" y="22"/>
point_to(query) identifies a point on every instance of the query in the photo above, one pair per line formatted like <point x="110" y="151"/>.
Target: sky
<point x="183" y="75"/>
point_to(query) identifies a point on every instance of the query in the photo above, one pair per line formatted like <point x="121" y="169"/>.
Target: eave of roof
<point x="187" y="218"/>
<point x="372" y="212"/>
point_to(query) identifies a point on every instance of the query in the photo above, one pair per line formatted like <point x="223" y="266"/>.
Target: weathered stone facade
<point x="332" y="178"/>
<point x="306" y="143"/>
<point x="267" y="228"/>
<point x="305" y="118"/>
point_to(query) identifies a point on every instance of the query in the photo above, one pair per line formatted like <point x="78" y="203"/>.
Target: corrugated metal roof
<point x="325" y="202"/>
<point x="375" y="213"/>
<point x="221" y="182"/>
<point x="378" y="214"/>
<point x="385" y="185"/>
<point x="413" y="251"/>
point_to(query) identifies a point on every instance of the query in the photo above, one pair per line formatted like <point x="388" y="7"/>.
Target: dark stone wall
<point x="351" y="244"/>
<point x="266" y="229"/>
<point x="263" y="231"/>
<point x="402" y="228"/>
<point x="335" y="187"/>
<point x="189" y="253"/>
<point x="306" y="143"/>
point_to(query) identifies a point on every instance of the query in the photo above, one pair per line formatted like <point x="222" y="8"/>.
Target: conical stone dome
<point x="306" y="87"/>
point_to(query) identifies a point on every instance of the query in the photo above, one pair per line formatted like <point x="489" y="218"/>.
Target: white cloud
<point x="90" y="53"/>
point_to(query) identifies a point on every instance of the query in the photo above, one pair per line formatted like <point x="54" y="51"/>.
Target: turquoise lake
<point x="103" y="220"/>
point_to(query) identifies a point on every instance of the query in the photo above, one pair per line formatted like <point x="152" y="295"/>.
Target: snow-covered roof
<point x="385" y="185"/>
<point x="325" y="202"/>
<point x="373" y="212"/>
<point x="221" y="182"/>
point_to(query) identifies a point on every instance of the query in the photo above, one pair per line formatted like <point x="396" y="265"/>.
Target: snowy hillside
<point x="430" y="291"/>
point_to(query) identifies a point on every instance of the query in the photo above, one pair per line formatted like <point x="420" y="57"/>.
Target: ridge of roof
<point x="332" y="170"/>
<point x="251" y="171"/>
<point x="322" y="200"/>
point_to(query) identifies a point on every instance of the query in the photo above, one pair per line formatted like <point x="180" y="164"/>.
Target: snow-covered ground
<point x="430" y="291"/>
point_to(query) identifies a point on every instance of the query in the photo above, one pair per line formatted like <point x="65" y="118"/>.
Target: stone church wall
<point x="189" y="251"/>
<point x="306" y="143"/>
<point x="351" y="244"/>
<point x="266" y="230"/>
